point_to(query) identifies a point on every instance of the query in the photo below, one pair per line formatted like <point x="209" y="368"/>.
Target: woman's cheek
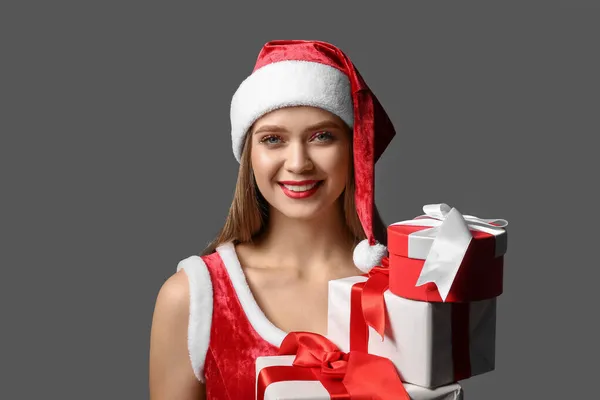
<point x="264" y="166"/>
<point x="337" y="162"/>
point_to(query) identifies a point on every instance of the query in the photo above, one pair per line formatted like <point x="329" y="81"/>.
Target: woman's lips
<point x="300" y="189"/>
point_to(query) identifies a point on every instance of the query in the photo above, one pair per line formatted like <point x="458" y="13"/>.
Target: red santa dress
<point x="227" y="330"/>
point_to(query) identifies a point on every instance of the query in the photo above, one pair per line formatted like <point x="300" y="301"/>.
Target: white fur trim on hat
<point x="285" y="84"/>
<point x="201" y="309"/>
<point x="366" y="256"/>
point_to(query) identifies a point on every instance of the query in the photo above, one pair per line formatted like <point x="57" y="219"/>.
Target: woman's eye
<point x="270" y="140"/>
<point x="323" y="136"/>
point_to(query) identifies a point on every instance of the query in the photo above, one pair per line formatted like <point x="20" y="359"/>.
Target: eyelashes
<point x="327" y="136"/>
<point x="321" y="137"/>
<point x="268" y="139"/>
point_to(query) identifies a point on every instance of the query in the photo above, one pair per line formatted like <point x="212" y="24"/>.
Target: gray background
<point x="116" y="164"/>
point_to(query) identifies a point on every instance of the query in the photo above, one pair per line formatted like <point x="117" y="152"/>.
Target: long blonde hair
<point x="249" y="211"/>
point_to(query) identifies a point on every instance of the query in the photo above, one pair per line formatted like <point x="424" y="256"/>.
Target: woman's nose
<point x="298" y="158"/>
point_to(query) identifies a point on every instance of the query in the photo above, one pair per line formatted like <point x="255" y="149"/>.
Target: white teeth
<point x="300" y="188"/>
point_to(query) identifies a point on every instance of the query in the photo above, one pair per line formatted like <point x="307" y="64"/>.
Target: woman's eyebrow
<point x="324" y="125"/>
<point x="270" y="128"/>
<point x="317" y="126"/>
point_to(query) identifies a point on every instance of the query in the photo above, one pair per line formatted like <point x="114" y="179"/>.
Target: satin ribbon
<point x="367" y="306"/>
<point x="350" y="375"/>
<point x="372" y="302"/>
<point x="452" y="237"/>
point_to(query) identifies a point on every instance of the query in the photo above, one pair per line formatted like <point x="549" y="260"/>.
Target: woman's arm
<point x="171" y="374"/>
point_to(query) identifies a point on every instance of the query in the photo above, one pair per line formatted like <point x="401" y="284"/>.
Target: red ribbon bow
<point x="350" y="375"/>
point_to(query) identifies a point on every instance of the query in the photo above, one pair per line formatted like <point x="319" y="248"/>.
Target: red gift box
<point x="479" y="273"/>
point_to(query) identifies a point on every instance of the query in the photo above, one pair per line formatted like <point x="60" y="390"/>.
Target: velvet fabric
<point x="373" y="130"/>
<point x="230" y="370"/>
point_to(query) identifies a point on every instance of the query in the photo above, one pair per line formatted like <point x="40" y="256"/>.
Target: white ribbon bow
<point x="452" y="237"/>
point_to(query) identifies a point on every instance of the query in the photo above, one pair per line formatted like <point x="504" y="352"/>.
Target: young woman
<point x="307" y="132"/>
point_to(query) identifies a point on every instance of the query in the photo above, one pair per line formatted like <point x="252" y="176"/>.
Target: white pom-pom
<point x="366" y="256"/>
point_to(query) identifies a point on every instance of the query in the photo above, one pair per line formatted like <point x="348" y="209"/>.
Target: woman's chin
<point x="303" y="212"/>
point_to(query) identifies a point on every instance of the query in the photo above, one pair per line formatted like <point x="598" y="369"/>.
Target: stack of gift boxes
<point x="412" y="327"/>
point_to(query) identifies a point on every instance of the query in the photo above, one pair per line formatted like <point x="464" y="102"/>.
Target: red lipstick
<point x="299" y="195"/>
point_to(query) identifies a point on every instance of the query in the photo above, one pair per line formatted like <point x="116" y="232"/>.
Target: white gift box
<point x="314" y="390"/>
<point x="418" y="335"/>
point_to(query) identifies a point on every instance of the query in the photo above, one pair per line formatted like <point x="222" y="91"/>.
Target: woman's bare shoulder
<point x="171" y="375"/>
<point x="175" y="291"/>
<point x="172" y="305"/>
<point x="173" y="287"/>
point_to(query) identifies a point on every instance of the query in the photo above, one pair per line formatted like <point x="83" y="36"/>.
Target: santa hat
<point x="314" y="73"/>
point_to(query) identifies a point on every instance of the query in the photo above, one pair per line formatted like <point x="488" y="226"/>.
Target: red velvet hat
<point x="314" y="73"/>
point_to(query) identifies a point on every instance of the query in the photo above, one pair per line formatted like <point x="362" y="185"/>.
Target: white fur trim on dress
<point x="284" y="84"/>
<point x="201" y="308"/>
<point x="257" y="318"/>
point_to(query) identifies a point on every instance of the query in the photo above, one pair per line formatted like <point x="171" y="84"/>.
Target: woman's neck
<point x="322" y="245"/>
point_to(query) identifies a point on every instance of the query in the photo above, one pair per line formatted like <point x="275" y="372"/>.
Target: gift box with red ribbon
<point x="314" y="389"/>
<point x="444" y="256"/>
<point x="431" y="344"/>
<point x="310" y="366"/>
<point x="317" y="370"/>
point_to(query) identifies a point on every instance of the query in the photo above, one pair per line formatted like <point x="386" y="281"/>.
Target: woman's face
<point x="300" y="157"/>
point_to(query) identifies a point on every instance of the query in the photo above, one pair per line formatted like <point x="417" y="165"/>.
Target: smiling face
<point x="301" y="159"/>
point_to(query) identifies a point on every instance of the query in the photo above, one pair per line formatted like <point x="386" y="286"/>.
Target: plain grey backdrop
<point x="116" y="164"/>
